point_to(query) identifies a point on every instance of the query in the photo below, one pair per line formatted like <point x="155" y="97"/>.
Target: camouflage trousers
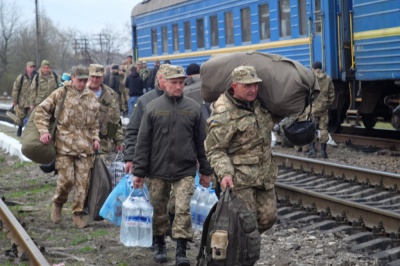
<point x="263" y="202"/>
<point x="73" y="173"/>
<point x="160" y="194"/>
<point x="22" y="114"/>
<point x="322" y="122"/>
<point x="124" y="99"/>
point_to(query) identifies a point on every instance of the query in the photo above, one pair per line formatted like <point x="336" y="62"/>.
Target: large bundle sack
<point x="31" y="146"/>
<point x="286" y="84"/>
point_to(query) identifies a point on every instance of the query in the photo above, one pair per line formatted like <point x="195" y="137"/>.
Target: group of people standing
<point x="169" y="137"/>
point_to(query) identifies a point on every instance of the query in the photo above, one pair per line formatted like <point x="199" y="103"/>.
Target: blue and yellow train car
<point x="352" y="39"/>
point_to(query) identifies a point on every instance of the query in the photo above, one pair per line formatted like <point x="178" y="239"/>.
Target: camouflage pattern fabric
<point x="46" y="85"/>
<point x="78" y="123"/>
<point x="124" y="94"/>
<point x="239" y="143"/>
<point x="263" y="202"/>
<point x="24" y="96"/>
<point x="144" y="73"/>
<point x="73" y="173"/>
<point x="245" y="75"/>
<point x="160" y="191"/>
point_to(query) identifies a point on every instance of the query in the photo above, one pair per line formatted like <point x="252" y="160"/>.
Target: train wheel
<point x="369" y="120"/>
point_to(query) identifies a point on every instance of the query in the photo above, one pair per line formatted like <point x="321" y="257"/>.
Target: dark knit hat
<point x="193" y="69"/>
<point x="114" y="67"/>
<point x="317" y="65"/>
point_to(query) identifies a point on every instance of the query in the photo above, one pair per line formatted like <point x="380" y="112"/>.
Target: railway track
<point x="363" y="203"/>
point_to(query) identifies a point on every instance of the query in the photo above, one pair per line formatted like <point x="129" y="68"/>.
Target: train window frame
<point x="214" y="31"/>
<point x="175" y="37"/>
<point x="317" y="17"/>
<point x="200" y="34"/>
<point x="285" y="22"/>
<point x="154" y="43"/>
<point x="302" y="9"/>
<point x="229" y="29"/>
<point x="264" y="31"/>
<point x="187" y="36"/>
<point x="164" y="39"/>
<point x="245" y="23"/>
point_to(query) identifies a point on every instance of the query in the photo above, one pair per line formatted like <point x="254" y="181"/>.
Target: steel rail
<point x="18" y="235"/>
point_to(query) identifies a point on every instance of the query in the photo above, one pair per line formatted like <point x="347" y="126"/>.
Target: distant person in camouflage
<point x="77" y="137"/>
<point x="169" y="144"/>
<point x="144" y="73"/>
<point x="320" y="108"/>
<point x="111" y="135"/>
<point x="238" y="145"/>
<point x="111" y="79"/>
<point x="21" y="95"/>
<point x="43" y="84"/>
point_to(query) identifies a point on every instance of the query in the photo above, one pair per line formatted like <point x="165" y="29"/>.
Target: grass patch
<point x="99" y="233"/>
<point x="87" y="249"/>
<point x="19" y="165"/>
<point x="80" y="240"/>
<point x="2" y="159"/>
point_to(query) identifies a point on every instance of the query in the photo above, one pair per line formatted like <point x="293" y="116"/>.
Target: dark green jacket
<point x="171" y="140"/>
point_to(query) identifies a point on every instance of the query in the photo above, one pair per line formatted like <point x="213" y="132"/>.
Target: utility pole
<point x="38" y="44"/>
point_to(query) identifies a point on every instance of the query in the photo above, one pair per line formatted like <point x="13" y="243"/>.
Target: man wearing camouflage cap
<point x="169" y="144"/>
<point x="21" y="94"/>
<point x="111" y="135"/>
<point x="238" y="145"/>
<point x="43" y="84"/>
<point x="76" y="138"/>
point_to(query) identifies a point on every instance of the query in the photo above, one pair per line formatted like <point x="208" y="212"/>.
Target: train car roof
<point x="151" y="5"/>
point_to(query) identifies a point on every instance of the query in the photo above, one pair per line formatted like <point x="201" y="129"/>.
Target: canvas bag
<point x="286" y="84"/>
<point x="230" y="215"/>
<point x="31" y="146"/>
<point x="99" y="188"/>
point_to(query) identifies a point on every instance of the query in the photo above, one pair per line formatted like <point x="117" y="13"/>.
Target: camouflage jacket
<point x="78" y="122"/>
<point x="144" y="73"/>
<point x="109" y="121"/>
<point x="326" y="95"/>
<point x="238" y="142"/>
<point x="45" y="86"/>
<point x="23" y="98"/>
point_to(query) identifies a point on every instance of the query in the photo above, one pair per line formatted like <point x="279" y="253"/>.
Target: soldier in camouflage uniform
<point x="124" y="91"/>
<point x="169" y="144"/>
<point x="43" y="84"/>
<point x="320" y="108"/>
<point x="21" y="94"/>
<point x="111" y="135"/>
<point x="238" y="145"/>
<point x="76" y="138"/>
<point x="144" y="72"/>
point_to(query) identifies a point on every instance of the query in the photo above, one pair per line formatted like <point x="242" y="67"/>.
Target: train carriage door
<point x="316" y="32"/>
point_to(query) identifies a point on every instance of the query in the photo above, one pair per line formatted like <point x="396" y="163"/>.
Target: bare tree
<point x="106" y="45"/>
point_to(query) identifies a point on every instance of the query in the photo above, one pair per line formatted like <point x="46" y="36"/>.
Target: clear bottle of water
<point x="212" y="199"/>
<point x="146" y="224"/>
<point x="129" y="232"/>
<point x="201" y="212"/>
<point x="193" y="204"/>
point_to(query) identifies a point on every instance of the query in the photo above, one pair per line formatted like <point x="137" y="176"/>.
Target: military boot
<point x="323" y="151"/>
<point x="78" y="221"/>
<point x="180" y="257"/>
<point x="19" y="131"/>
<point x="160" y="255"/>
<point x="56" y="212"/>
<point x="312" y="153"/>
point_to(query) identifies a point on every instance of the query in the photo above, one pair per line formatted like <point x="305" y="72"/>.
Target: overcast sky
<point x="87" y="16"/>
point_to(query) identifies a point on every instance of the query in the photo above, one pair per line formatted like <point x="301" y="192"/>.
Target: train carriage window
<point x="302" y="17"/>
<point x="175" y="38"/>
<point x="264" y="20"/>
<point x="214" y="31"/>
<point x="188" y="43"/>
<point x="317" y="16"/>
<point x="284" y="18"/>
<point x="154" y="41"/>
<point x="200" y="33"/>
<point x="164" y="36"/>
<point x="229" y="39"/>
<point x="246" y="26"/>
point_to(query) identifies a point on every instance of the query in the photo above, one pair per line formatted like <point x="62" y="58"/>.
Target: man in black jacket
<point x="169" y="145"/>
<point x="135" y="86"/>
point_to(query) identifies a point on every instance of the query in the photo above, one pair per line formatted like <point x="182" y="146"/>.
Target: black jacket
<point x="135" y="84"/>
<point x="171" y="140"/>
<point x="151" y="80"/>
<point x="134" y="122"/>
<point x="112" y="81"/>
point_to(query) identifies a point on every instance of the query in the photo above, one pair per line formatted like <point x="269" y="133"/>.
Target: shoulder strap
<point x="37" y="82"/>
<point x="20" y="86"/>
<point x="55" y="77"/>
<point x="53" y="129"/>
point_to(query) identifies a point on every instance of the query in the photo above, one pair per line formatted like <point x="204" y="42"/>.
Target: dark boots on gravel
<point x="160" y="255"/>
<point x="312" y="153"/>
<point x="323" y="151"/>
<point x="180" y="256"/>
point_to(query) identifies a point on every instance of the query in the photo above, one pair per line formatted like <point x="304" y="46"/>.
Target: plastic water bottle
<point x="129" y="232"/>
<point x="201" y="209"/>
<point x="212" y="199"/>
<point x="146" y="224"/>
<point x="193" y="204"/>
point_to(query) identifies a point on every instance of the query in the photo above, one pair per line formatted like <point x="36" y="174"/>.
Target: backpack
<point x="230" y="234"/>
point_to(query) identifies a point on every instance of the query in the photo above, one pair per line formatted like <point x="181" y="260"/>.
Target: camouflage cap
<point x="30" y="63"/>
<point x="172" y="72"/>
<point x="80" y="72"/>
<point x="45" y="63"/>
<point x="96" y="70"/>
<point x="245" y="75"/>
